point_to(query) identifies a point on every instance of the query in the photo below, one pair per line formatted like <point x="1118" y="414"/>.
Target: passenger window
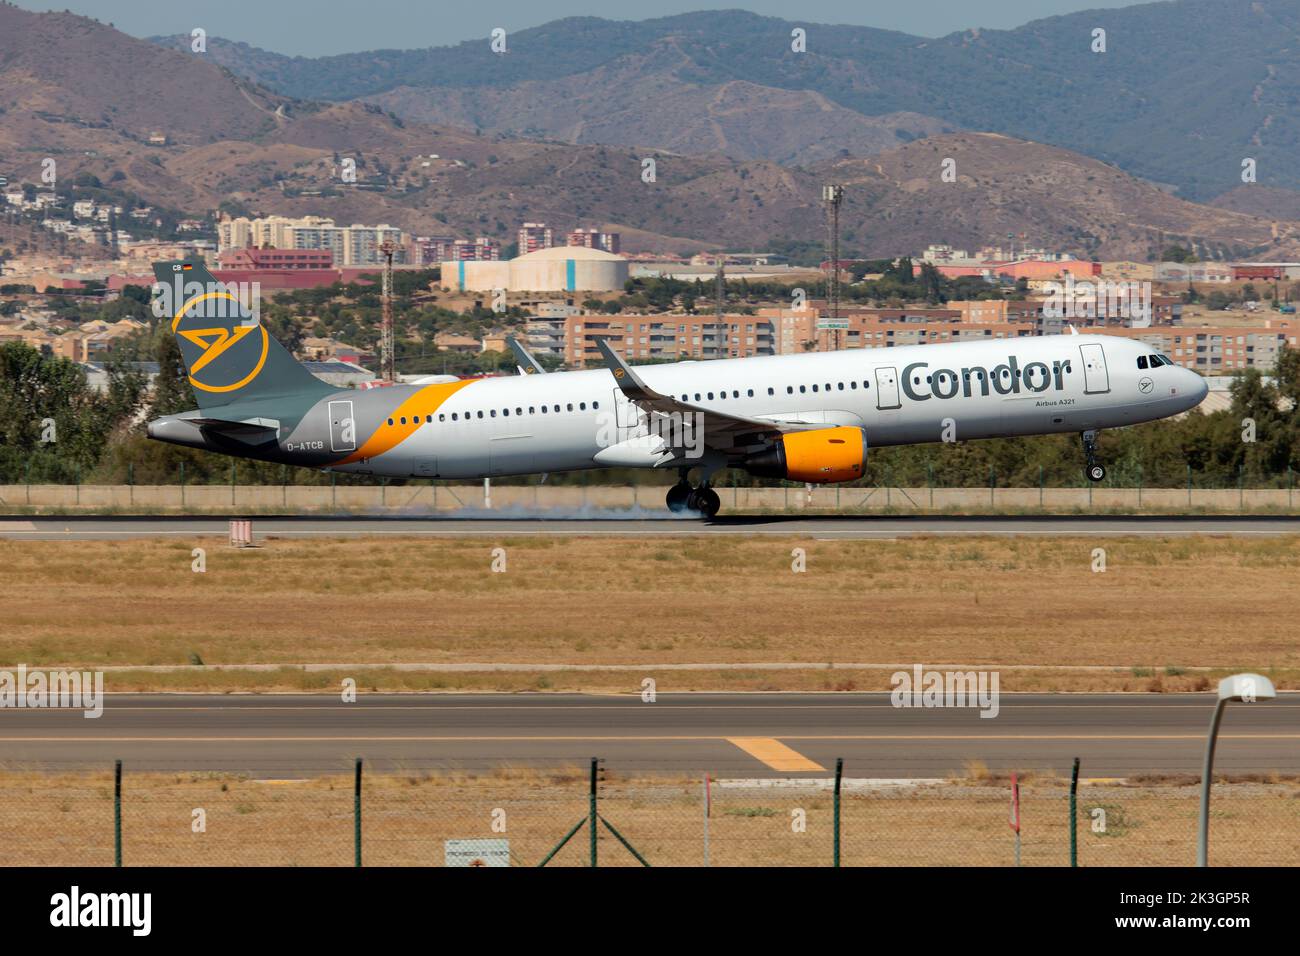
<point x="442" y="417"/>
<point x="429" y="419"/>
<point x="582" y="406"/>
<point x="570" y="406"/>
<point x="480" y="413"/>
<point x="736" y="394"/>
<point x="749" y="393"/>
<point x="453" y="416"/>
<point x="803" y="389"/>
<point x="710" y="396"/>
<point x="595" y="404"/>
<point x="814" y="387"/>
<point x="403" y="419"/>
<point x="519" y="411"/>
<point x="1142" y="361"/>
<point x="505" y="412"/>
<point x="789" y="389"/>
<point x="390" y="421"/>
<point x="771" y="391"/>
<point x="853" y="385"/>
<point x="532" y="409"/>
<point x="493" y="413"/>
<point x="841" y="384"/>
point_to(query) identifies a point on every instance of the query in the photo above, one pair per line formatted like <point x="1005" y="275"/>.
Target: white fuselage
<point x="910" y="394"/>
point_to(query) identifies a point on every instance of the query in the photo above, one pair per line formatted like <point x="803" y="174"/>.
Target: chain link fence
<point x="528" y="817"/>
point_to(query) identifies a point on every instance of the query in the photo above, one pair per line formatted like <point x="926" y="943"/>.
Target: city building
<point x="534" y="236"/>
<point x="594" y="239"/>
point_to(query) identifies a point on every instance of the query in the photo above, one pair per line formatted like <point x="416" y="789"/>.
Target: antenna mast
<point x="386" y="351"/>
<point x="832" y="197"/>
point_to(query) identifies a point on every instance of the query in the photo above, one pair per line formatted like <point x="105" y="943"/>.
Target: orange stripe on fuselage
<point x="387" y="437"/>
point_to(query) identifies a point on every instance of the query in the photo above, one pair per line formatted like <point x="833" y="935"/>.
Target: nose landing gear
<point x="1093" y="469"/>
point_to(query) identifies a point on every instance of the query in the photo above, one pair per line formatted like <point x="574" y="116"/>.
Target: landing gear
<point x="704" y="500"/>
<point x="679" y="497"/>
<point x="701" y="499"/>
<point x="1093" y="469"/>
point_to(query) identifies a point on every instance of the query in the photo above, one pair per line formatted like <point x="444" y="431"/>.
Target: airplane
<point x="808" y="418"/>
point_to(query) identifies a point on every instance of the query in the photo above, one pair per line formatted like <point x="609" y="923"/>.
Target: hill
<point x="237" y="147"/>
<point x="1183" y="91"/>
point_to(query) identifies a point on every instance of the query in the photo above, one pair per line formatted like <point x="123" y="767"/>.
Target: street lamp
<point x="1243" y="687"/>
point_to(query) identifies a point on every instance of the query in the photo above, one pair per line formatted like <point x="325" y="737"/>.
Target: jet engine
<point x="820" y="456"/>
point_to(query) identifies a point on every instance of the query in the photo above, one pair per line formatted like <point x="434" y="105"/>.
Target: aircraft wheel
<point x="679" y="496"/>
<point x="1095" y="472"/>
<point x="706" y="501"/>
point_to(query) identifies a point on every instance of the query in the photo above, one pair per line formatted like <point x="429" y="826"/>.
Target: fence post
<point x="591" y="812"/>
<point x="1139" y="484"/>
<point x="1241" y="487"/>
<point x="27" y="473"/>
<point x="993" y="478"/>
<point x="839" y="775"/>
<point x="334" y="494"/>
<point x="1189" y="486"/>
<point x="182" y="484"/>
<point x="233" y="466"/>
<point x="117" y="813"/>
<point x="78" y="483"/>
<point x="1290" y="487"/>
<point x="929" y="481"/>
<point x="130" y="481"/>
<point x="284" y="488"/>
<point x="1074" y="814"/>
<point x="356" y="813"/>
<point x="1040" y="487"/>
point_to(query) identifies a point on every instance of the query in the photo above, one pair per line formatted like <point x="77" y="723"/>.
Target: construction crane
<point x="388" y="371"/>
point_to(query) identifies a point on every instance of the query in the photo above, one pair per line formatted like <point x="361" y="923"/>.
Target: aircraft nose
<point x="1197" y="387"/>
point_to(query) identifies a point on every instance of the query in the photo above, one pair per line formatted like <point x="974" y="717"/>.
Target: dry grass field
<point x="1162" y="610"/>
<point x="67" y="819"/>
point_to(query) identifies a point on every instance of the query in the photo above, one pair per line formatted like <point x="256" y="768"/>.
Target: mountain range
<point x="1175" y="92"/>
<point x="92" y="98"/>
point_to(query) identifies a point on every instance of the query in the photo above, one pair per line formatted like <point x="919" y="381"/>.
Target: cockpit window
<point x="1142" y="361"/>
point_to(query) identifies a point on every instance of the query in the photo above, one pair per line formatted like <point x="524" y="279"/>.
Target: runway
<point x="728" y="735"/>
<point x="835" y="527"/>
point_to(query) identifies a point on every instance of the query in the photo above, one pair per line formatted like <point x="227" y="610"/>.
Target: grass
<point x="66" y="819"/>
<point x="1167" y="614"/>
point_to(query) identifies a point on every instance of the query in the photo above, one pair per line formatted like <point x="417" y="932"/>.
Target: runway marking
<point x="775" y="754"/>
<point x="641" y="738"/>
<point x="552" y="708"/>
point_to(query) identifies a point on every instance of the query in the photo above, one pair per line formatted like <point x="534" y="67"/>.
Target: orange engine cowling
<point x="820" y="456"/>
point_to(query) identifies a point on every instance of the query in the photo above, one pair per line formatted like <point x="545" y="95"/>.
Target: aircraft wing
<point x="722" y="430"/>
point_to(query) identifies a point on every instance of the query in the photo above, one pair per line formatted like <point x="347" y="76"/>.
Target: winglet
<point x="631" y="384"/>
<point x="527" y="364"/>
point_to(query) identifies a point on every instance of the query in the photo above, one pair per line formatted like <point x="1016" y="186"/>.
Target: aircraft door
<point x="343" y="427"/>
<point x="887" y="388"/>
<point x="1095" y="377"/>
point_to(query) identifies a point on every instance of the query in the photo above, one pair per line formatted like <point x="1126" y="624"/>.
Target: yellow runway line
<point x="775" y="754"/>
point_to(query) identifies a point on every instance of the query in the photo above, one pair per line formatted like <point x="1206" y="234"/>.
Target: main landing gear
<point x="701" y="498"/>
<point x="1093" y="469"/>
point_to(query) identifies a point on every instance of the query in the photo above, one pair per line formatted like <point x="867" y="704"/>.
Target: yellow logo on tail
<point x="215" y="342"/>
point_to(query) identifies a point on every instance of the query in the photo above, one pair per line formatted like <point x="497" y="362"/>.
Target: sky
<point x="322" y="27"/>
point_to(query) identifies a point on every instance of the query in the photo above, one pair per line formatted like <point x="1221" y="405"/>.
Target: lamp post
<point x="1247" y="688"/>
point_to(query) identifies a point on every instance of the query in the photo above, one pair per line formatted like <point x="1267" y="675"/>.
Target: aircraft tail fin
<point x="228" y="354"/>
